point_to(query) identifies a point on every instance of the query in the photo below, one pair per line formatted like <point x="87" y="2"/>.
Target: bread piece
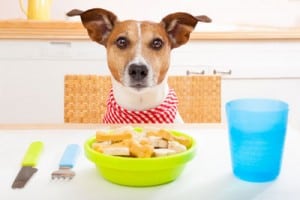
<point x="158" y="142"/>
<point x="163" y="152"/>
<point x="111" y="136"/>
<point x="98" y="146"/>
<point x="167" y="135"/>
<point x="183" y="140"/>
<point x="141" y="151"/>
<point x="176" y="146"/>
<point x="116" y="151"/>
<point x="164" y="134"/>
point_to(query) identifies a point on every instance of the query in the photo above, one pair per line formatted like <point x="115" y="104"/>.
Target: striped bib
<point x="164" y="113"/>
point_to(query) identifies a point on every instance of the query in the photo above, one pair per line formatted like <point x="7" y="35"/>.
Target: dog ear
<point x="179" y="26"/>
<point x="98" y="22"/>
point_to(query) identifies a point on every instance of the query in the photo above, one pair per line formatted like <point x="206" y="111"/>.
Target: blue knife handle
<point x="70" y="155"/>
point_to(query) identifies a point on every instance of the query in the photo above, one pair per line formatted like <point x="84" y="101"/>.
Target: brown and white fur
<point x="138" y="53"/>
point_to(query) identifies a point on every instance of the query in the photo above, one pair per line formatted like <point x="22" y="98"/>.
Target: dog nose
<point x="138" y="72"/>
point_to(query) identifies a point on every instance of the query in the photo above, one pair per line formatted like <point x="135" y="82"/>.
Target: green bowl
<point x="140" y="172"/>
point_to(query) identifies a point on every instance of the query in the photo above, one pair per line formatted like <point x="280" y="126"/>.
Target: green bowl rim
<point x="161" y="162"/>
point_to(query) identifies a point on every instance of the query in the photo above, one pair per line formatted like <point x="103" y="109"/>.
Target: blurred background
<point x="32" y="69"/>
<point x="259" y="13"/>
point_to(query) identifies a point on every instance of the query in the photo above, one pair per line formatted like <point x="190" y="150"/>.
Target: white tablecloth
<point x="207" y="177"/>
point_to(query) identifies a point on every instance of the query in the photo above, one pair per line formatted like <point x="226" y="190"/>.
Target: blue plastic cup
<point x="257" y="129"/>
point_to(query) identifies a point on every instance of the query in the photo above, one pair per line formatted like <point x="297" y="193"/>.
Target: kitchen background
<point x="277" y="13"/>
<point x="32" y="71"/>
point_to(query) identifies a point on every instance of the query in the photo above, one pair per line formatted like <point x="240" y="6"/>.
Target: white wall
<point x="280" y="13"/>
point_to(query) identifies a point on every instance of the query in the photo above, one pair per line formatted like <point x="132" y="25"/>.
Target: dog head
<point x="138" y="52"/>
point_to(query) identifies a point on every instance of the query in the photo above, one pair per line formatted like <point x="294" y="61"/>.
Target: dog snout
<point x="138" y="72"/>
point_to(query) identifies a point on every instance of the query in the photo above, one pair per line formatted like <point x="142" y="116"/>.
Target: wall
<point x="278" y="13"/>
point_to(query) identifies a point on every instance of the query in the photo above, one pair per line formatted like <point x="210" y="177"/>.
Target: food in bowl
<point x="141" y="171"/>
<point x="141" y="144"/>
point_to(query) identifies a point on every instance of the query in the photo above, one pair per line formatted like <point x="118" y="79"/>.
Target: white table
<point x="207" y="177"/>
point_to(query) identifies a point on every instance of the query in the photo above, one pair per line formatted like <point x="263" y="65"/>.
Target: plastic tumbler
<point x="257" y="129"/>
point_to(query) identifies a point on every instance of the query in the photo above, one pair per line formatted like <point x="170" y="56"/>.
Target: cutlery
<point x="67" y="162"/>
<point x="28" y="164"/>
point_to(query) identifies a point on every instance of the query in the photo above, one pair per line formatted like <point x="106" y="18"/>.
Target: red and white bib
<point x="164" y="113"/>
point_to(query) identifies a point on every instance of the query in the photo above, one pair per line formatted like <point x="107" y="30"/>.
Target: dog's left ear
<point x="179" y="26"/>
<point x="98" y="22"/>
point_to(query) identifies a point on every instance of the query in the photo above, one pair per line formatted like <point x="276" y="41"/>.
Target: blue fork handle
<point x="70" y="155"/>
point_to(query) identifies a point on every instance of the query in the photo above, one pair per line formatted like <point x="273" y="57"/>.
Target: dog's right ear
<point x="98" y="22"/>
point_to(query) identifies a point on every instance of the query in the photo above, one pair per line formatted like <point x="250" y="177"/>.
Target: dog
<point x="138" y="57"/>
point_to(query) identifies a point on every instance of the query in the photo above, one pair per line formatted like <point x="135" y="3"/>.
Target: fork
<point x="67" y="162"/>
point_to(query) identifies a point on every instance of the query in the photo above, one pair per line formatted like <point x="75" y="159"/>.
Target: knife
<point x="28" y="163"/>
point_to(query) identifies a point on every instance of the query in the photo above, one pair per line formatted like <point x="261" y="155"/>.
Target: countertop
<point x="73" y="30"/>
<point x="207" y="176"/>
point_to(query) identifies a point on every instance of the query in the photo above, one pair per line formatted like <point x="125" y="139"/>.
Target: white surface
<point x="207" y="177"/>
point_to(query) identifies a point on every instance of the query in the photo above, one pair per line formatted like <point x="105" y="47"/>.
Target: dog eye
<point x="157" y="44"/>
<point x="122" y="42"/>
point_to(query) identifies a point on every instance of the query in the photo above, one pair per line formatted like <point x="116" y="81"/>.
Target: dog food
<point x="145" y="143"/>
